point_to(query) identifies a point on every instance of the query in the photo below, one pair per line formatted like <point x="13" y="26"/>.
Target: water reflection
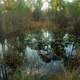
<point x="70" y="50"/>
<point x="45" y="68"/>
<point x="34" y="60"/>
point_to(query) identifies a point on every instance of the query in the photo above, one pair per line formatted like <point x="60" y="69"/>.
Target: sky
<point x="45" y="5"/>
<point x="68" y="0"/>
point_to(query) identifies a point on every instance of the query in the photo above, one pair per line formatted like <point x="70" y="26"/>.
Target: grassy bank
<point x="20" y="75"/>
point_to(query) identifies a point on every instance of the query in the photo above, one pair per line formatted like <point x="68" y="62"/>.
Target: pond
<point x="33" y="59"/>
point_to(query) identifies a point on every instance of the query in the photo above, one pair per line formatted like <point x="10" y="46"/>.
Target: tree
<point x="21" y="7"/>
<point x="9" y="4"/>
<point x="56" y="5"/>
<point x="37" y="14"/>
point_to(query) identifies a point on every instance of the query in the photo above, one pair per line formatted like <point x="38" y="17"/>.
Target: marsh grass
<point x="66" y="76"/>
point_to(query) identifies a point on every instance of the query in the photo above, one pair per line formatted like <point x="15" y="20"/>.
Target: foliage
<point x="13" y="59"/>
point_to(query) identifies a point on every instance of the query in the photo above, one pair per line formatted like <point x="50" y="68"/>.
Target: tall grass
<point x="66" y="76"/>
